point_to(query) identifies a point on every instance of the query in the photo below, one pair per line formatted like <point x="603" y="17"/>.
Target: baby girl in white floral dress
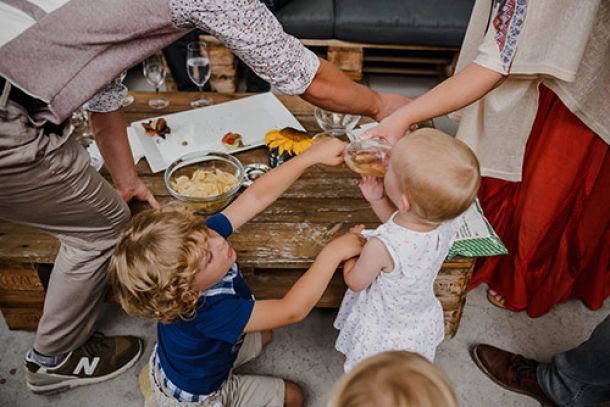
<point x="430" y="180"/>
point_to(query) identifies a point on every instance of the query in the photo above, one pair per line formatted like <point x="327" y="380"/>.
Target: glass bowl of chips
<point x="207" y="180"/>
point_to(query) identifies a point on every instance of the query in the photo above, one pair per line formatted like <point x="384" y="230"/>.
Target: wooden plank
<point x="347" y="44"/>
<point x="405" y="59"/>
<point x="400" y="70"/>
<point x="21" y="299"/>
<point x="19" y="277"/>
<point x="24" y="319"/>
<point x="170" y="83"/>
<point x="346" y="59"/>
<point x="270" y="284"/>
<point x="220" y="55"/>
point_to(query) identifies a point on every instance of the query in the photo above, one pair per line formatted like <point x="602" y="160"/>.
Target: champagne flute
<point x="154" y="72"/>
<point x="198" y="69"/>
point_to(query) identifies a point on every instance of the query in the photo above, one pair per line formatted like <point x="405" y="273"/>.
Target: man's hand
<point x="328" y="152"/>
<point x="371" y="187"/>
<point x="136" y="189"/>
<point x="388" y="103"/>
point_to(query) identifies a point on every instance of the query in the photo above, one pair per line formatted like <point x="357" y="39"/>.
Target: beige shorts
<point x="238" y="390"/>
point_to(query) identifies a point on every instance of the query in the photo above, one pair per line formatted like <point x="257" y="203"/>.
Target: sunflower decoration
<point x="285" y="143"/>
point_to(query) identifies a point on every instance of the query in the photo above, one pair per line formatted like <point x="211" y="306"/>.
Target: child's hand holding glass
<point x="328" y="152"/>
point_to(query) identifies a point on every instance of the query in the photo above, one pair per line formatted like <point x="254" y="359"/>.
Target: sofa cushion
<point x="308" y="19"/>
<point x="407" y="22"/>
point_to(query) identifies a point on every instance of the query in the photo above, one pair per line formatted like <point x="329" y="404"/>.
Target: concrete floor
<point x="305" y="353"/>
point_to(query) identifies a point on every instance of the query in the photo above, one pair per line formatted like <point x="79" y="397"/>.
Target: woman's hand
<point x="371" y="187"/>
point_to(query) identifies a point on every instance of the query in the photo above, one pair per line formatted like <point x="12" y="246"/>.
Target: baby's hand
<point x="371" y="187"/>
<point x="328" y="152"/>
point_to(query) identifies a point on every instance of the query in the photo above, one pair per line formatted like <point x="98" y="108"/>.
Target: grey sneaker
<point x="100" y="358"/>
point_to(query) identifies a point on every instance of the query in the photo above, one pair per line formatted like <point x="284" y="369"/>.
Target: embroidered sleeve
<point x="109" y="99"/>
<point x="251" y="31"/>
<point x="498" y="48"/>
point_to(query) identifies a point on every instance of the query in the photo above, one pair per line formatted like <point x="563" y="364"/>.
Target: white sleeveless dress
<point x="399" y="310"/>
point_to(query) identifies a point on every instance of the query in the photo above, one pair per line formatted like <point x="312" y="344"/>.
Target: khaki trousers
<point x="48" y="184"/>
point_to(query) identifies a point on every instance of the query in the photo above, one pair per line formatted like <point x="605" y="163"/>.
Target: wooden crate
<point x="22" y="290"/>
<point x="223" y="65"/>
<point x="354" y="59"/>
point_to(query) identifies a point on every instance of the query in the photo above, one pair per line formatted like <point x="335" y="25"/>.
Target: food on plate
<point x="156" y="127"/>
<point x="204" y="183"/>
<point x="232" y="140"/>
<point x="288" y="140"/>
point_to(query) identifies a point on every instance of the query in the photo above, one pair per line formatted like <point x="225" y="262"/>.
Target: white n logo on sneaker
<point x="87" y="365"/>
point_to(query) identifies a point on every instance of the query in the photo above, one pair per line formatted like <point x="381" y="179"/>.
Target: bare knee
<point x="266" y="337"/>
<point x="293" y="395"/>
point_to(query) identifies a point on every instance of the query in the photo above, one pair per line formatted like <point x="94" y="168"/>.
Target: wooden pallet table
<point x="273" y="249"/>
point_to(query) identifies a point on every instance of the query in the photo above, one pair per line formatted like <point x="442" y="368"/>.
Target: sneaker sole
<point x="68" y="384"/>
<point x="481" y="366"/>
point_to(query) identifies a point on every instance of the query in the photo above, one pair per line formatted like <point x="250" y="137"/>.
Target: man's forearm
<point x="111" y="138"/>
<point x="331" y="89"/>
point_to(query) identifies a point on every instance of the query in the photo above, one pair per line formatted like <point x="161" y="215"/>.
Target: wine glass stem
<point x="156" y="90"/>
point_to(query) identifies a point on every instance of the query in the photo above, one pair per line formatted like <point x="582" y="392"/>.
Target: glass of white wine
<point x="198" y="69"/>
<point x="154" y="72"/>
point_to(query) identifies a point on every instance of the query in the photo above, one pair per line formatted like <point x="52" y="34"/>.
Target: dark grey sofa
<point x="393" y="22"/>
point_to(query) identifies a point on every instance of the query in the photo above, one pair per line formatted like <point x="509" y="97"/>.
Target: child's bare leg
<point x="293" y="395"/>
<point x="266" y="337"/>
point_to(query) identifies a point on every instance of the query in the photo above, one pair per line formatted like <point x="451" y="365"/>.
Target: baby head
<point x="433" y="175"/>
<point x="163" y="260"/>
<point x="395" y="378"/>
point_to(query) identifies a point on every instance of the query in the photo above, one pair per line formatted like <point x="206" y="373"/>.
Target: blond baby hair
<point x="437" y="173"/>
<point x="394" y="379"/>
<point x="157" y="256"/>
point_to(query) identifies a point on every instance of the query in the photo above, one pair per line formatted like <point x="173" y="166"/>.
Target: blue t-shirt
<point x="198" y="355"/>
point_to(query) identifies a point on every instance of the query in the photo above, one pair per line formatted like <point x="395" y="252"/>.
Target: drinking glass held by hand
<point x="154" y="72"/>
<point x="198" y="69"/>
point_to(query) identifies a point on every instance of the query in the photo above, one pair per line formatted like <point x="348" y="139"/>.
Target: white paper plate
<point x="203" y="129"/>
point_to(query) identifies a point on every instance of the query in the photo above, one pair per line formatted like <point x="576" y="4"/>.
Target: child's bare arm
<point x="373" y="260"/>
<point x="467" y="86"/>
<point x="306" y="292"/>
<point x="265" y="190"/>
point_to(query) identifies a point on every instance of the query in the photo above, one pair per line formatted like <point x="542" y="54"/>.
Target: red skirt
<point x="556" y="221"/>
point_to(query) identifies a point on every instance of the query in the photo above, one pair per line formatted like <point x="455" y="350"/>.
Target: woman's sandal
<point x="495" y="298"/>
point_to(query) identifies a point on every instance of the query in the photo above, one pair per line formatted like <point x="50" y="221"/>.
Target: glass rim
<point x="196" y="44"/>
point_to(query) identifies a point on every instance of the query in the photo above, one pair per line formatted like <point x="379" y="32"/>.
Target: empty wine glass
<point x="127" y="98"/>
<point x="198" y="68"/>
<point x="154" y="72"/>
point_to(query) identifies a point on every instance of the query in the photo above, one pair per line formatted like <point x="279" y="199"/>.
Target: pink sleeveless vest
<point x="72" y="53"/>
